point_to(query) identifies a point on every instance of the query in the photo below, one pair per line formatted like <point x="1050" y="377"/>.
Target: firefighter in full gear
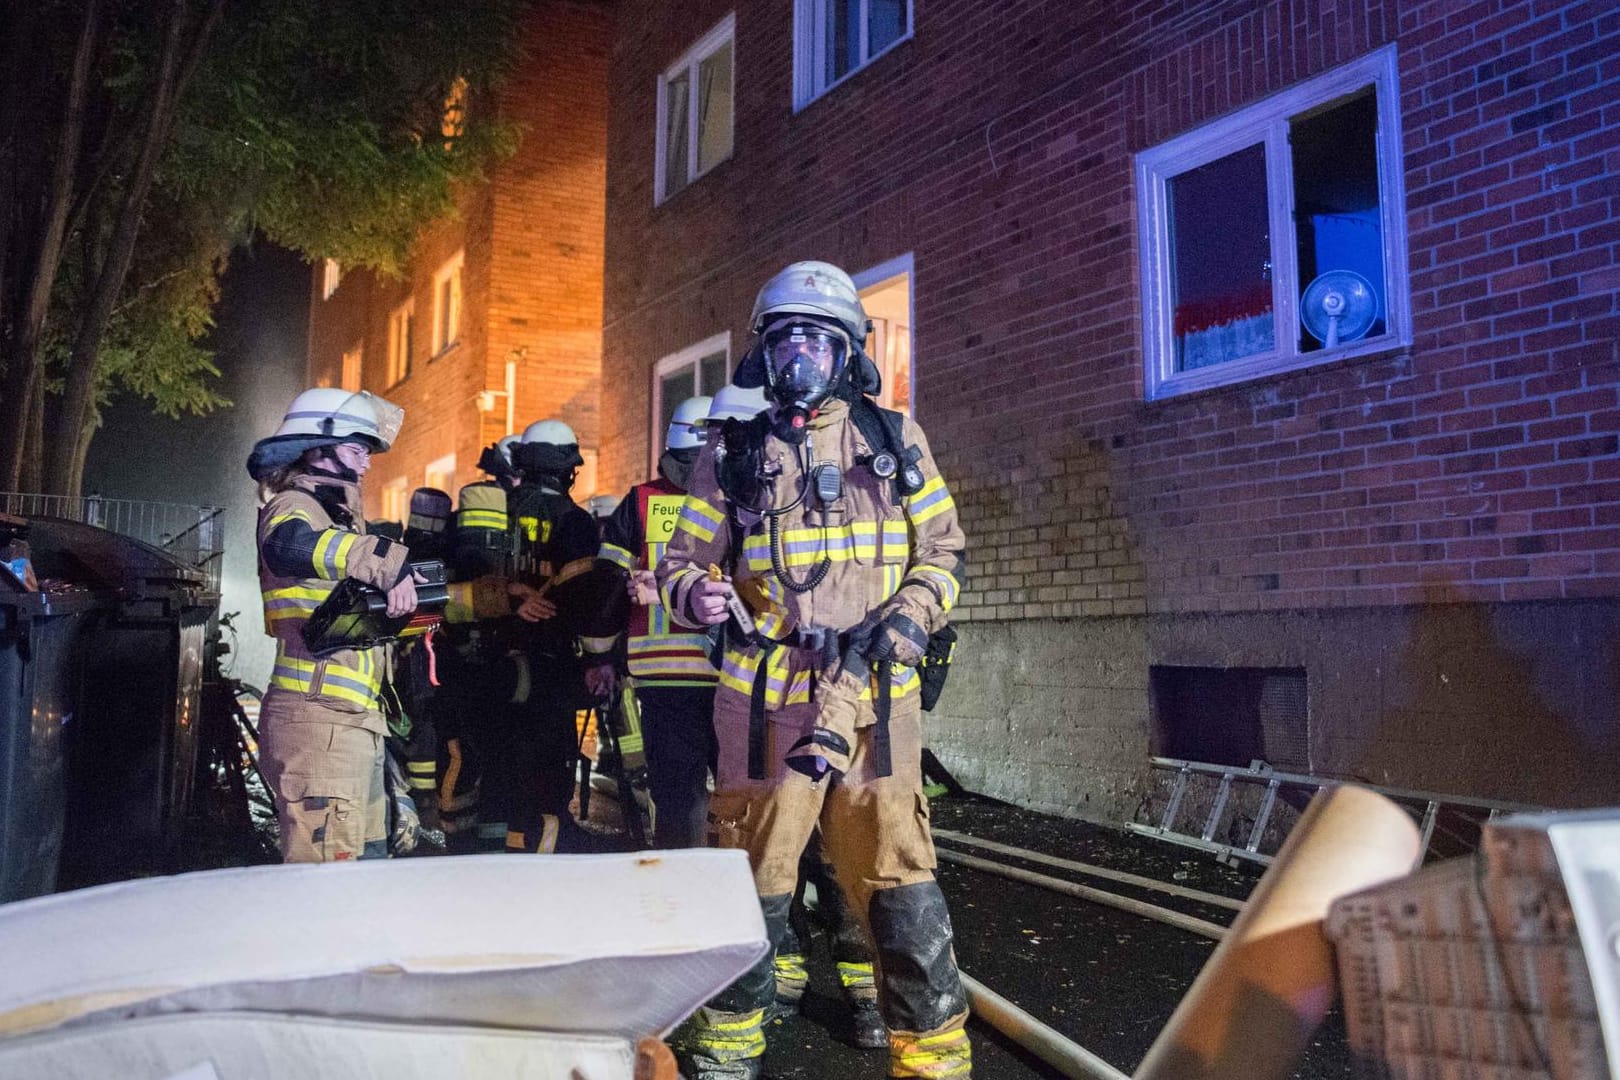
<point x="479" y="670"/>
<point x="847" y="551"/>
<point x="321" y="730"/>
<point x="668" y="665"/>
<point x="554" y="543"/>
<point x="411" y="670"/>
<point x="820" y="907"/>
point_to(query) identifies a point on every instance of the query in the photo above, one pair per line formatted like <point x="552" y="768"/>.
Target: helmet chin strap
<point x="327" y="456"/>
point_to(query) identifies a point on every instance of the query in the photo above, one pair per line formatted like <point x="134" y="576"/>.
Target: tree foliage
<point x="141" y="140"/>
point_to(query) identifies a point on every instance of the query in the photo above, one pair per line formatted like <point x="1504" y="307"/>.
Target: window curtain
<point x="1224" y="328"/>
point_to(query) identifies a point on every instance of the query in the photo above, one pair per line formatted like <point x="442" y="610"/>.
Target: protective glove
<point x="899" y="640"/>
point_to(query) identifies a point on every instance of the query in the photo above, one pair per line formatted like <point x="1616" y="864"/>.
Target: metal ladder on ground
<point x="1425" y="806"/>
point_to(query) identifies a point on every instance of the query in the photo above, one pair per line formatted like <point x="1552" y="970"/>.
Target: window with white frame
<point x="1275" y="238"/>
<point x="885" y="292"/>
<point x="351" y="371"/>
<point x="695" y="111"/>
<point x="395" y="500"/>
<point x="331" y="276"/>
<point x="447" y="304"/>
<point x="832" y="39"/>
<point x="697" y="369"/>
<point x="441" y="474"/>
<point x="400" y="325"/>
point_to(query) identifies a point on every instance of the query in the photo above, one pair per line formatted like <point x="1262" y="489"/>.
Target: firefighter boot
<point x="792" y="973"/>
<point x="866" y="1027"/>
<point x="725" y="1040"/>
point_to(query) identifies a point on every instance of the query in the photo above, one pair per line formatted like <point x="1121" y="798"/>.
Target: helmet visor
<point x="804" y="361"/>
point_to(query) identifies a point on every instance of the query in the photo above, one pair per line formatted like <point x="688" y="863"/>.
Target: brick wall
<point x="996" y="146"/>
<point x="531" y="278"/>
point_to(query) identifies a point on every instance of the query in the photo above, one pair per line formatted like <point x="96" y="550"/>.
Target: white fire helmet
<point x="330" y="412"/>
<point x="686" y="426"/>
<point x="732" y="402"/>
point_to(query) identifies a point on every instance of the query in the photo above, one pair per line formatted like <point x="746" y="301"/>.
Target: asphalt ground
<point x="1104" y="978"/>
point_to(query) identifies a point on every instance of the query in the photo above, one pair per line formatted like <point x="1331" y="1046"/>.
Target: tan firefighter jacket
<point x="884" y="556"/>
<point x="311" y="536"/>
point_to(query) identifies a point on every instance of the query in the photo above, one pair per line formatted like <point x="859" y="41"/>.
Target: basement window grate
<point x="1232" y="716"/>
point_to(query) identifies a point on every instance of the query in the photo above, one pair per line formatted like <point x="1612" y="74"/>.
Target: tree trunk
<point x="31" y="417"/>
<point x="24" y="377"/>
<point x="78" y="397"/>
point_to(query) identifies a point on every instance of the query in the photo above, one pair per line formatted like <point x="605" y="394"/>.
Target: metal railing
<point x="193" y="534"/>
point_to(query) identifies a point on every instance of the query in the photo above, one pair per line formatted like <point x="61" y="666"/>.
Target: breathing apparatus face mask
<point x="804" y="362"/>
<point x="676" y="466"/>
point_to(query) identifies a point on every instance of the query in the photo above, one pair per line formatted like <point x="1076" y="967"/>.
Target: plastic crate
<point x="1469" y="970"/>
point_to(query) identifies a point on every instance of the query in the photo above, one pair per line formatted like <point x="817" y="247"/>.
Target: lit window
<point x="447" y="305"/>
<point x="351" y="368"/>
<point x="832" y="39"/>
<point x="400" y="324"/>
<point x="1275" y="238"/>
<point x="694" y="112"/>
<point x="331" y="275"/>
<point x="886" y="295"/>
<point x="395" y="500"/>
<point x="698" y="369"/>
<point x="441" y="474"/>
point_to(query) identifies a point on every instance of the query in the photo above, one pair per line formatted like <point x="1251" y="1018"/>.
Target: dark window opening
<point x="1232" y="716"/>
<point x="1336" y="212"/>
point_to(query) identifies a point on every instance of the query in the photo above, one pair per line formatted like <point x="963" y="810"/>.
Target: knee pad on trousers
<point x="911" y="930"/>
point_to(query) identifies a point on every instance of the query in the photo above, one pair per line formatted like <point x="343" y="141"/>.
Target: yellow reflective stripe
<point x="932" y="499"/>
<point x="943" y="580"/>
<point x="616" y="555"/>
<point x="290" y="515"/>
<point x="332" y="553"/>
<point x="598" y="645"/>
<point x="904" y="680"/>
<point x="730" y="1040"/>
<point x="935" y="1057"/>
<point x="359" y="685"/>
<point x="482" y="519"/>
<point x="855" y="974"/>
<point x="672" y="585"/>
<point x="699" y="518"/>
<point x="838" y="543"/>
<point x="295" y="601"/>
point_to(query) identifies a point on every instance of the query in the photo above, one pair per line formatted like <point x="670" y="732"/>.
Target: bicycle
<point x="232" y="803"/>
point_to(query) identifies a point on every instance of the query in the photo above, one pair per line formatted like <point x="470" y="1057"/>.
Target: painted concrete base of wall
<point x="1513" y="702"/>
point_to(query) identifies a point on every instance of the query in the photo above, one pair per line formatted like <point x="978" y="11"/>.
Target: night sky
<point x="260" y="339"/>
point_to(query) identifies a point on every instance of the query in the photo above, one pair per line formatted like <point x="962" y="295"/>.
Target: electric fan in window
<point x="1337" y="307"/>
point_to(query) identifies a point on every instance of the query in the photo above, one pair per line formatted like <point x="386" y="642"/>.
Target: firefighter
<point x="555" y="543"/>
<point x="321" y="728"/>
<point x="848" y="556"/>
<point x="478" y="672"/>
<point x="669" y="666"/>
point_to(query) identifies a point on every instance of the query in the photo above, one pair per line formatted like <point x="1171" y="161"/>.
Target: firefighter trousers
<point x="875" y="836"/>
<point x="324" y="767"/>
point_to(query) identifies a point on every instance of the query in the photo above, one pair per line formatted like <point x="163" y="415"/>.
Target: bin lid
<point x="104" y="560"/>
<point x="621" y="945"/>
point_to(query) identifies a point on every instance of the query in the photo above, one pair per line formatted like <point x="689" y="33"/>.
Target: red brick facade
<point x="997" y="147"/>
<point x="531" y="280"/>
